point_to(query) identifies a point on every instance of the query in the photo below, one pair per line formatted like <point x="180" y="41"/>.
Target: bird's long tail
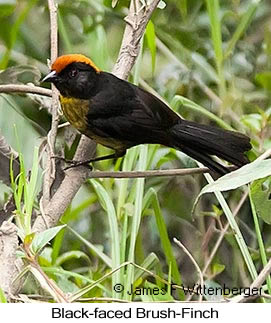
<point x="201" y="142"/>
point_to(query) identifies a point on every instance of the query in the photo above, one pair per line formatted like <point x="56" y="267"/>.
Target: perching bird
<point x="120" y="115"/>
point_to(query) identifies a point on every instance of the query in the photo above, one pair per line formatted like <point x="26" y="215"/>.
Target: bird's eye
<point x="73" y="73"/>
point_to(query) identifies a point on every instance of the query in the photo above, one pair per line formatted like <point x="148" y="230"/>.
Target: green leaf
<point x="7" y="7"/>
<point x="30" y="189"/>
<point x="20" y="254"/>
<point x="70" y="255"/>
<point x="93" y="248"/>
<point x="183" y="8"/>
<point x="242" y="176"/>
<point x="166" y="245"/>
<point x="41" y="239"/>
<point x="262" y="247"/>
<point x="242" y="27"/>
<point x="181" y="100"/>
<point x="29" y="239"/>
<point x="45" y="257"/>
<point x="253" y="121"/>
<point x="150" y="36"/>
<point x="235" y="228"/>
<point x="108" y="206"/>
<point x="57" y="271"/>
<point x="2" y="296"/>
<point x="215" y="24"/>
<point x="261" y="198"/>
<point x="217" y="268"/>
<point x="213" y="8"/>
<point x="148" y="263"/>
<point x="64" y="33"/>
<point x="66" y="285"/>
<point x="138" y="202"/>
<point x="14" y="31"/>
<point x="264" y="79"/>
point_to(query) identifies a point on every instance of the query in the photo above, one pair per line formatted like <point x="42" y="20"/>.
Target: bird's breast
<point x="75" y="111"/>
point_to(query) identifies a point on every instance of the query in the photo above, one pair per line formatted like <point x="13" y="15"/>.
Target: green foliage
<point x="2" y="296"/>
<point x="165" y="241"/>
<point x="150" y="36"/>
<point x="211" y="61"/>
<point x="244" y="175"/>
<point x="213" y="8"/>
<point x="24" y="192"/>
<point x="264" y="80"/>
<point x="41" y="239"/>
<point x="260" y="195"/>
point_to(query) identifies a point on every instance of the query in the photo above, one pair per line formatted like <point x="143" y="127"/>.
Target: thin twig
<point x="221" y="237"/>
<point x="51" y="138"/>
<point x="150" y="173"/>
<point x="194" y="263"/>
<point x="18" y="88"/>
<point x="222" y="234"/>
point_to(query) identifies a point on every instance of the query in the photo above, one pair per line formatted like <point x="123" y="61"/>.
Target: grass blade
<point x="260" y="239"/>
<point x="166" y="243"/>
<point x="241" y="28"/>
<point x="114" y="231"/>
<point x="143" y="153"/>
<point x="236" y="231"/>
<point x="214" y="15"/>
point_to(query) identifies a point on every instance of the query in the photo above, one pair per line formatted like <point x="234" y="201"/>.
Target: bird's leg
<point x="75" y="163"/>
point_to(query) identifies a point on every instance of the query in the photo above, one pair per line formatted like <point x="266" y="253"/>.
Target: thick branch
<point x="135" y="28"/>
<point x="8" y="248"/>
<point x="64" y="195"/>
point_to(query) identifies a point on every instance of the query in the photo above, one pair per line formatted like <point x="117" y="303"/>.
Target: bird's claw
<point x="73" y="163"/>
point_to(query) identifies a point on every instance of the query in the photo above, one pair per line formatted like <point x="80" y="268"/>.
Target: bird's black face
<point x="77" y="80"/>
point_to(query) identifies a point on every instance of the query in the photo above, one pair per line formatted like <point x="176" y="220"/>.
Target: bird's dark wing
<point x="129" y="114"/>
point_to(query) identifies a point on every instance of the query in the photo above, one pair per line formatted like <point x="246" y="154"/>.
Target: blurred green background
<point x="230" y="77"/>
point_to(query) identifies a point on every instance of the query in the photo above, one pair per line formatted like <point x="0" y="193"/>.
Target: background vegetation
<point x="215" y="53"/>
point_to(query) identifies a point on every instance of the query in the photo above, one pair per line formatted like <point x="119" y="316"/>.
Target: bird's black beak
<point x="51" y="77"/>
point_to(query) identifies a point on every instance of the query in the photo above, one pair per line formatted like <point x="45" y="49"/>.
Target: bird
<point x="118" y="114"/>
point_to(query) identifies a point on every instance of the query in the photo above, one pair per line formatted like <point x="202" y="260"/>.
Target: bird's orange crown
<point x="62" y="61"/>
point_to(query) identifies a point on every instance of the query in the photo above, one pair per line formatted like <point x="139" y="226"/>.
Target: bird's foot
<point x="73" y="163"/>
